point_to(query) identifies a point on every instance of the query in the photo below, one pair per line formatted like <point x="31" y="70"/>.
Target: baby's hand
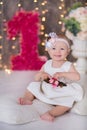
<point x="58" y="75"/>
<point x="44" y="76"/>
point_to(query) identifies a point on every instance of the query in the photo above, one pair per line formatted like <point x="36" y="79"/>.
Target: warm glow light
<point x="62" y="15"/>
<point x="60" y="7"/>
<point x="35" y="0"/>
<point x="42" y="43"/>
<point x="43" y="3"/>
<point x="43" y="12"/>
<point x="36" y="8"/>
<point x="43" y="19"/>
<point x="4" y="29"/>
<point x="8" y="71"/>
<point x="0" y="57"/>
<point x="13" y="47"/>
<point x="0" y="37"/>
<point x="42" y="33"/>
<point x="46" y="35"/>
<point x="0" y="47"/>
<point x="60" y="22"/>
<point x="42" y="27"/>
<point x="13" y="38"/>
<point x="1" y="3"/>
<point x="19" y="5"/>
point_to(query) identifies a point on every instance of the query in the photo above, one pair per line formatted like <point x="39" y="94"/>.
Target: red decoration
<point x="26" y="25"/>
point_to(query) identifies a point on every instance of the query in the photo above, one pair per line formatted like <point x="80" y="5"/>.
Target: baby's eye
<point x="53" y="48"/>
<point x="62" y="49"/>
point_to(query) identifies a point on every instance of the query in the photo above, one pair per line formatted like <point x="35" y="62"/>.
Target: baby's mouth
<point x="57" y="55"/>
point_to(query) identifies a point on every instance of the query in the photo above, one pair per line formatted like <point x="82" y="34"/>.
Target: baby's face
<point x="58" y="51"/>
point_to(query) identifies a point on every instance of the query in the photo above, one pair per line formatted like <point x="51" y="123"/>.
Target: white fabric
<point x="81" y="106"/>
<point x="13" y="113"/>
<point x="13" y="85"/>
<point x="11" y="88"/>
<point x="64" y="96"/>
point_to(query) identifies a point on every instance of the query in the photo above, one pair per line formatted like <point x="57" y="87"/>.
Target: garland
<point x="26" y="25"/>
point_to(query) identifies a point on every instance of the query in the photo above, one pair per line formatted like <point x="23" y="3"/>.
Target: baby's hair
<point x="48" y="38"/>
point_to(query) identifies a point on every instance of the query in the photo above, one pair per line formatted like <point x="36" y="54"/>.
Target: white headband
<point x="55" y="38"/>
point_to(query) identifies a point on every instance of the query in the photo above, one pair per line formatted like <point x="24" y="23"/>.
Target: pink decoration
<point x="54" y="82"/>
<point x="26" y="25"/>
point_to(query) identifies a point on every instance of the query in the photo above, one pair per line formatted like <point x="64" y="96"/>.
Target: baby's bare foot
<point x="24" y="101"/>
<point x="47" y="116"/>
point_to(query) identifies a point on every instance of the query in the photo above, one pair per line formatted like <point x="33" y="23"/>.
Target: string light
<point x="0" y="57"/>
<point x="13" y="38"/>
<point x="43" y="19"/>
<point x="4" y="47"/>
<point x="35" y="1"/>
<point x="42" y="8"/>
<point x="42" y="27"/>
<point x="1" y="35"/>
<point x="43" y="44"/>
<point x="61" y="7"/>
<point x="19" y="5"/>
<point x="0" y="46"/>
<point x="13" y="47"/>
<point x="60" y="22"/>
<point x="36" y="8"/>
<point x="1" y="3"/>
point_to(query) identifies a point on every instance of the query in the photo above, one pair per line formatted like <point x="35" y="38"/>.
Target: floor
<point x="17" y="81"/>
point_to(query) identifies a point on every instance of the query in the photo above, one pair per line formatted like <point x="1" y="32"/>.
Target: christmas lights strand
<point x="1" y="35"/>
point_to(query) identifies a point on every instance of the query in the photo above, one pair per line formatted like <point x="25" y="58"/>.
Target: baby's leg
<point x="56" y="111"/>
<point x="26" y="99"/>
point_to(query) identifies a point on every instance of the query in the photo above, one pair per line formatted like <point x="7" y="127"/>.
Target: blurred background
<point x="51" y="12"/>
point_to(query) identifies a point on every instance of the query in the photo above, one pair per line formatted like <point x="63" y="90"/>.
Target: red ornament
<point x="26" y="25"/>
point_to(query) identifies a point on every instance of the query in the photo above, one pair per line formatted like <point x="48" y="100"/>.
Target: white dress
<point x="64" y="96"/>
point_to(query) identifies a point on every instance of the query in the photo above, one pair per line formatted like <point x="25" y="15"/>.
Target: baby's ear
<point x="69" y="50"/>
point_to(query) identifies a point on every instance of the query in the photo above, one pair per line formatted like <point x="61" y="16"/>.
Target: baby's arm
<point x="72" y="74"/>
<point x="41" y="75"/>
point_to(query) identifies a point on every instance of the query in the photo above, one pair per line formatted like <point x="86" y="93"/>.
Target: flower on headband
<point x="52" y="40"/>
<point x="53" y="35"/>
